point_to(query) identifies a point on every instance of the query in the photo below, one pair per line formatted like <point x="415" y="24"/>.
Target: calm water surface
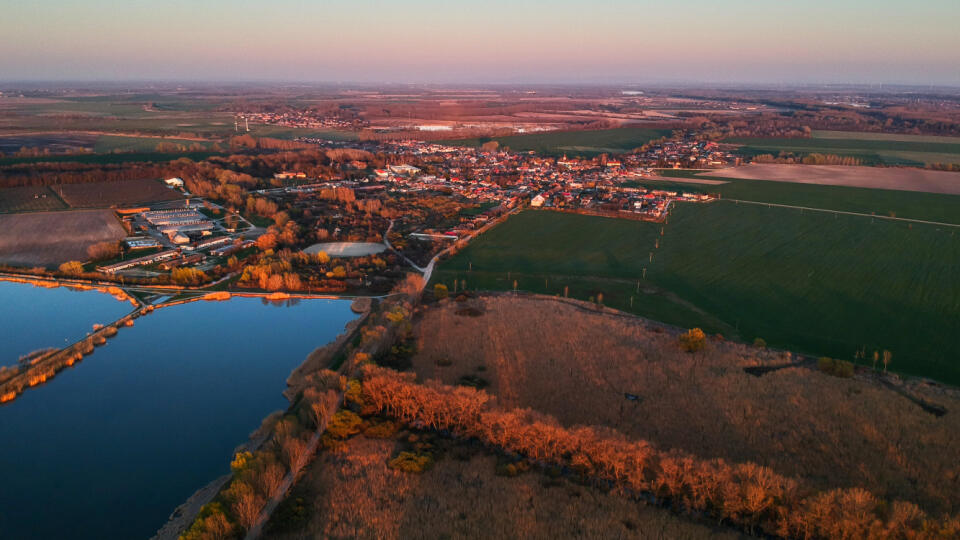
<point x="110" y="447"/>
<point x="36" y="318"/>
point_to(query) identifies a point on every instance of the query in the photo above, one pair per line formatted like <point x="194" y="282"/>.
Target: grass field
<point x="29" y="199"/>
<point x="125" y="157"/>
<point x="883" y="202"/>
<point x="573" y="143"/>
<point x="813" y="282"/>
<point x="872" y="148"/>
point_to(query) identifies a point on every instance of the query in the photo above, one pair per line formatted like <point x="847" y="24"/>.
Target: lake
<point x="109" y="447"/>
<point x="37" y="318"/>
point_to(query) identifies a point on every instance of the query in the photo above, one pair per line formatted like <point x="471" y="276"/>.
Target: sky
<point x="496" y="41"/>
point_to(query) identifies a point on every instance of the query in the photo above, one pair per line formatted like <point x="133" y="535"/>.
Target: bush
<point x="440" y="291"/>
<point x="72" y="268"/>
<point x="693" y="340"/>
<point x="381" y="430"/>
<point x="411" y="462"/>
<point x="344" y="424"/>
<point x="760" y="342"/>
<point x="837" y="368"/>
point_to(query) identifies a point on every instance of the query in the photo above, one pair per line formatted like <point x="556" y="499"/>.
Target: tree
<point x="887" y="357"/>
<point x="188" y="276"/>
<point x="440" y="291"/>
<point x="72" y="268"/>
<point x="321" y="257"/>
<point x="267" y="241"/>
<point x="693" y="340"/>
<point x="246" y="503"/>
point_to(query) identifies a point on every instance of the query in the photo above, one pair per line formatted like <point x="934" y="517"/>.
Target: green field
<point x="573" y="143"/>
<point x="118" y="143"/>
<point x="882" y="202"/>
<point x="29" y="199"/>
<point x="872" y="148"/>
<point x="818" y="283"/>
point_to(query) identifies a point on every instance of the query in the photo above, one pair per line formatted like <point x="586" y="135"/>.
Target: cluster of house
<point x="301" y="119"/>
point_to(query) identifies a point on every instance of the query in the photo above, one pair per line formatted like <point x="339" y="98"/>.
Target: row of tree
<point x="745" y="494"/>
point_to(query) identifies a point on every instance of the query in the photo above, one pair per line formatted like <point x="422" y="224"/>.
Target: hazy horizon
<point x="426" y="41"/>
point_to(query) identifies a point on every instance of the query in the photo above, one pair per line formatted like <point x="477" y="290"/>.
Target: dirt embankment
<point x="585" y="367"/>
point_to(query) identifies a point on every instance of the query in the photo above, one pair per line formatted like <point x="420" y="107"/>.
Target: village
<point x="427" y="195"/>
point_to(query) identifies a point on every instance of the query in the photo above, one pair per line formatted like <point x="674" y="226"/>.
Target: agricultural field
<point x="818" y="283"/>
<point x="882" y="202"/>
<point x="574" y="143"/>
<point x="571" y="361"/>
<point x="51" y="238"/>
<point x="29" y="199"/>
<point x="349" y="492"/>
<point x="872" y="148"/>
<point x="900" y="178"/>
<point x="107" y="194"/>
<point x="120" y="143"/>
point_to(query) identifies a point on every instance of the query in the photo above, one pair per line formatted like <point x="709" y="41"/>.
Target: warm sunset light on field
<point x="516" y="269"/>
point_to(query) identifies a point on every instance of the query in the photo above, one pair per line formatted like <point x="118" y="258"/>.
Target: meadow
<point x="817" y="283"/>
<point x="588" y="143"/>
<point x="872" y="148"/>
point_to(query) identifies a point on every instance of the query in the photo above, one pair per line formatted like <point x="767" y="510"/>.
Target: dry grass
<point x="104" y="194"/>
<point x="351" y="493"/>
<point x="577" y="366"/>
<point x="906" y="179"/>
<point x="50" y="238"/>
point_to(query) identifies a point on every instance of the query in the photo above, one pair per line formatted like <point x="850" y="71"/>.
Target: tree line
<point x="744" y="494"/>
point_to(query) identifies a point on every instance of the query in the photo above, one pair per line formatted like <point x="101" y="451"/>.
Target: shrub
<point x="473" y="381"/>
<point x="837" y="368"/>
<point x="344" y="424"/>
<point x="440" y="291"/>
<point x="411" y="462"/>
<point x="72" y="268"/>
<point x="693" y="340"/>
<point x="381" y="430"/>
<point x="760" y="342"/>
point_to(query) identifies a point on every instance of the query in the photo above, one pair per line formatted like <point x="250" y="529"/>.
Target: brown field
<point x="29" y="199"/>
<point x="905" y="179"/>
<point x="351" y="493"/>
<point x="577" y="365"/>
<point x="50" y="238"/>
<point x="106" y="194"/>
